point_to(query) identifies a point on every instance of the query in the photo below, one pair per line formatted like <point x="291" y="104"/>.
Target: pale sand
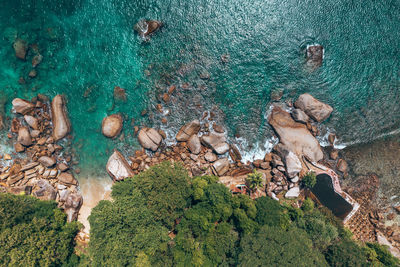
<point x="93" y="189"/>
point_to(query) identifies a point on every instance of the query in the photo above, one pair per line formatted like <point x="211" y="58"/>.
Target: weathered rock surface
<point x="210" y="157"/>
<point x="295" y="136"/>
<point x="46" y="191"/>
<point x="62" y="167"/>
<point x="61" y="123"/>
<point x="47" y="161"/>
<point x="293" y="192"/>
<point x="32" y="122"/>
<point x="20" y="47"/>
<point x="234" y="153"/>
<point x="342" y="165"/>
<point x="314" y="108"/>
<point x="24" y="136"/>
<point x="216" y="141"/>
<point x="293" y="164"/>
<point x="221" y="166"/>
<point x="117" y="167"/>
<point x="149" y="138"/>
<point x="72" y="205"/>
<point x="315" y="55"/>
<point x="22" y="106"/>
<point x="187" y="130"/>
<point x="194" y="144"/>
<point x="300" y="116"/>
<point x="67" y="178"/>
<point x="112" y="125"/>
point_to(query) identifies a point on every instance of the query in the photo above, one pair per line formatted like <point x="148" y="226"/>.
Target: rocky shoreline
<point x="41" y="164"/>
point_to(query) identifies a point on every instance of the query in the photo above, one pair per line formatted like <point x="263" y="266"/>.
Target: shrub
<point x="310" y="179"/>
<point x="271" y="213"/>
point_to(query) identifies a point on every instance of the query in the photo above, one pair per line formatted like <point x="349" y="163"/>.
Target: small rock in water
<point x="32" y="74"/>
<point x="146" y="27"/>
<point x="119" y="94"/>
<point x="315" y="55"/>
<point x="20" y="47"/>
<point x="36" y="60"/>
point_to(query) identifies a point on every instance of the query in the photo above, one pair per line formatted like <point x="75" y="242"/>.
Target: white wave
<point x="258" y="151"/>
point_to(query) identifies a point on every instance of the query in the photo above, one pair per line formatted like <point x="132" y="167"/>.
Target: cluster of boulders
<point x="21" y="49"/>
<point x="41" y="166"/>
<point x="205" y="150"/>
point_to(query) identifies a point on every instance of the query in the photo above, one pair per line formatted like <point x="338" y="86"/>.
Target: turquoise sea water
<point x="89" y="47"/>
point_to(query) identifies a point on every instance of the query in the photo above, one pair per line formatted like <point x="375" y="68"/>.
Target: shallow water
<point x="89" y="47"/>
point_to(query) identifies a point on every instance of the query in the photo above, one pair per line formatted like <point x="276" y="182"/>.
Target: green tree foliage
<point x="166" y="189"/>
<point x="271" y="213"/>
<point x="273" y="246"/>
<point x="310" y="179"/>
<point x="345" y="253"/>
<point x="34" y="232"/>
<point x="161" y="217"/>
<point x="383" y="255"/>
<point x="254" y="180"/>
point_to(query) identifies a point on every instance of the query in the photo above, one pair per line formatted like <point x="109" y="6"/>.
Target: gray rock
<point x="32" y="122"/>
<point x="293" y="165"/>
<point x="194" y="144"/>
<point x="61" y="123"/>
<point x="46" y="191"/>
<point x="72" y="206"/>
<point x="293" y="192"/>
<point x="67" y="178"/>
<point x="117" y="167"/>
<point x="47" y="161"/>
<point x="149" y="138"/>
<point x="210" y="157"/>
<point x="112" y="125"/>
<point x="187" y="130"/>
<point x="300" y="116"/>
<point x="221" y="166"/>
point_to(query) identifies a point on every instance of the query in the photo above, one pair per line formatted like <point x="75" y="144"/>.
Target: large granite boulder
<point x="117" y="167"/>
<point x="46" y="191"/>
<point x="32" y="122"/>
<point x="24" y="137"/>
<point x="221" y="166"/>
<point x="149" y="138"/>
<point x="187" y="130"/>
<point x="22" y="106"/>
<point x="216" y="141"/>
<point x="293" y="164"/>
<point x="194" y="144"/>
<point x="314" y="108"/>
<point x="112" y="125"/>
<point x="47" y="161"/>
<point x="295" y="136"/>
<point x="67" y="178"/>
<point x="72" y="206"/>
<point x="61" y="123"/>
<point x="300" y="116"/>
<point x="293" y="192"/>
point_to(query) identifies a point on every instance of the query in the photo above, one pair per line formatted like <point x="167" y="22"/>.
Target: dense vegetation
<point x="34" y="233"/>
<point x="162" y="217"/>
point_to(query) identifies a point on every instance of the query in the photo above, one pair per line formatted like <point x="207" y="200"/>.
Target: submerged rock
<point x="149" y="138"/>
<point x="36" y="60"/>
<point x="119" y="94"/>
<point x="61" y="123"/>
<point x="315" y="55"/>
<point x="295" y="136"/>
<point x="187" y="130"/>
<point x="314" y="108"/>
<point x="20" y="47"/>
<point x="112" y="125"/>
<point x="146" y="27"/>
<point x="117" y="167"/>
<point x="22" y="106"/>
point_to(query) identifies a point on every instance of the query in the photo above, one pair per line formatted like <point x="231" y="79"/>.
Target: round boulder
<point x="112" y="125"/>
